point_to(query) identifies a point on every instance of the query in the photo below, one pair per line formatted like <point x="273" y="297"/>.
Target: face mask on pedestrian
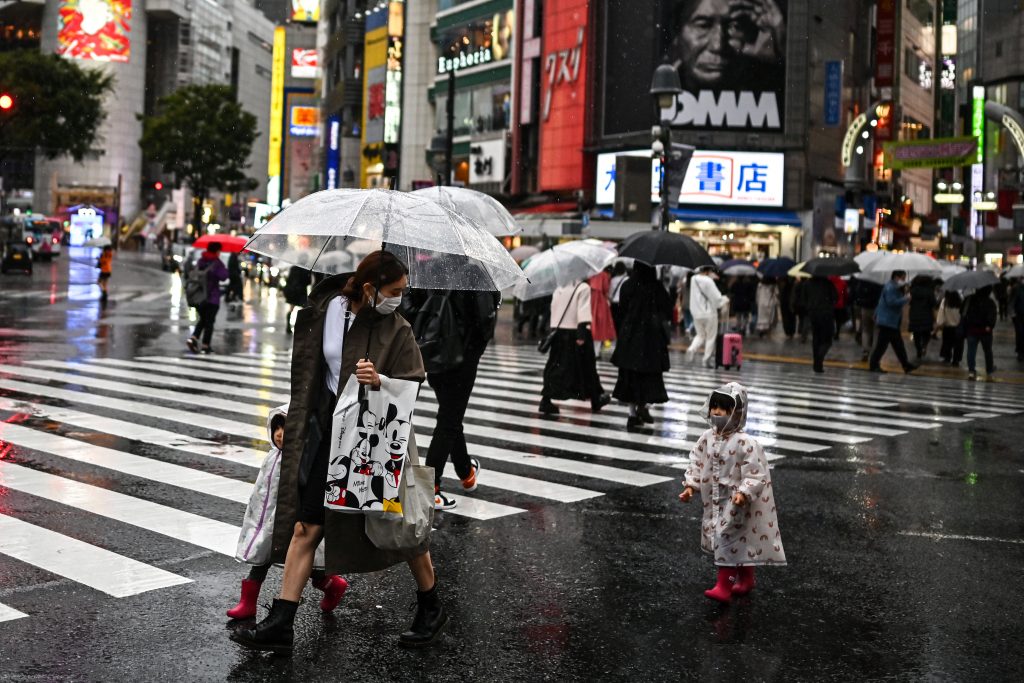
<point x="388" y="304"/>
<point x="719" y="422"/>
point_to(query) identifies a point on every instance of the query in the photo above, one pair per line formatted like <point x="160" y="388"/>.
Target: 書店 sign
<point x="717" y="178"/>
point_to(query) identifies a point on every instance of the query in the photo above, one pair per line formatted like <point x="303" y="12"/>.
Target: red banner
<point x="885" y="43"/>
<point x="563" y="94"/>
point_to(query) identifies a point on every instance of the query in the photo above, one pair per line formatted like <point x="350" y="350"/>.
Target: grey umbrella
<point x="970" y="281"/>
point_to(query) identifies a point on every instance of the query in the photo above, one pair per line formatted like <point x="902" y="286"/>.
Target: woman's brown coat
<point x="394" y="352"/>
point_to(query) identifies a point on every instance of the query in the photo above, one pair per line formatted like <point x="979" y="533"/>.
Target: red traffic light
<point x="158" y="185"/>
<point x="6" y="102"/>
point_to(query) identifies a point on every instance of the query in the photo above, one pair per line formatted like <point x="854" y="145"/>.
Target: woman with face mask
<point x="346" y="315"/>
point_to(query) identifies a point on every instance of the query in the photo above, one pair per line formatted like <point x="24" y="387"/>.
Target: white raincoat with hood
<point x="722" y="464"/>
<point x="257" y="533"/>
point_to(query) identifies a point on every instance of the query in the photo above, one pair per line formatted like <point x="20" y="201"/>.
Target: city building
<point x="158" y="46"/>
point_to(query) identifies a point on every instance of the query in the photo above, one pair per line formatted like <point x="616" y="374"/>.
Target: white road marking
<point x="10" y="614"/>
<point x="167" y="521"/>
<point x="126" y="463"/>
<point x="960" y="537"/>
<point x="81" y="562"/>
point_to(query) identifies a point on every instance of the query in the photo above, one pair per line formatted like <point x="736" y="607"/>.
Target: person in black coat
<point x="921" y="320"/>
<point x="979" y="319"/>
<point x="641" y="353"/>
<point x="818" y="302"/>
<point x="296" y="291"/>
<point x="786" y="285"/>
<point x="235" y="292"/>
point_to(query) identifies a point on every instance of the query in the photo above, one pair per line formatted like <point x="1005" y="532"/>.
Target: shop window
<point x="463" y="114"/>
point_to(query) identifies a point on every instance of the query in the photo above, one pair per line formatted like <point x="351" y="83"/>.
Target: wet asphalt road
<point x="903" y="549"/>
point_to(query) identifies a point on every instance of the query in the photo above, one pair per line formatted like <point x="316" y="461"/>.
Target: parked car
<point x="16" y="256"/>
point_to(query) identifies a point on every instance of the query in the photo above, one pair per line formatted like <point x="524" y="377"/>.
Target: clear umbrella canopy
<point x="442" y="248"/>
<point x="913" y="264"/>
<point x="970" y="281"/>
<point x="1016" y="272"/>
<point x="482" y="209"/>
<point x="562" y="265"/>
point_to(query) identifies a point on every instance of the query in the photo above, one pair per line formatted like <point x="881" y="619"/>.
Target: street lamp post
<point x="441" y="144"/>
<point x="665" y="87"/>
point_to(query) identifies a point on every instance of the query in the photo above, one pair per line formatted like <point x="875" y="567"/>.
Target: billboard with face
<point x="730" y="55"/>
<point x="94" y="29"/>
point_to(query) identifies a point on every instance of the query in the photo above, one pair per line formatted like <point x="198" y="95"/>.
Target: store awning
<point x="766" y="216"/>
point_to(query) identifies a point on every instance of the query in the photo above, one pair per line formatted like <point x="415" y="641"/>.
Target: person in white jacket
<point x="257" y="531"/>
<point x="705" y="302"/>
<point x="571" y="369"/>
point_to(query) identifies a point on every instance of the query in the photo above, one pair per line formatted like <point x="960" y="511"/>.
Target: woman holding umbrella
<point x="642" y="350"/>
<point x="346" y="315"/>
<point x="571" y="369"/>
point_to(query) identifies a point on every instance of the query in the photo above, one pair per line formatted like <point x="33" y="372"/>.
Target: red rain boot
<point x="246" y="607"/>
<point x="334" y="588"/>
<point x="744" y="582"/>
<point x="722" y="591"/>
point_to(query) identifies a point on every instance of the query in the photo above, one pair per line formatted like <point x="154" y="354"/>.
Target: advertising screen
<point x="730" y="55"/>
<point x="94" y="29"/>
<point x="718" y="178"/>
<point x="306" y="11"/>
<point x="304" y="62"/>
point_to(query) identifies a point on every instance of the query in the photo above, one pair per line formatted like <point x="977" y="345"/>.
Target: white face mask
<point x="719" y="421"/>
<point x="388" y="304"/>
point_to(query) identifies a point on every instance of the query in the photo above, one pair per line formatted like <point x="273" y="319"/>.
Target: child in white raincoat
<point x="727" y="466"/>
<point x="257" y="532"/>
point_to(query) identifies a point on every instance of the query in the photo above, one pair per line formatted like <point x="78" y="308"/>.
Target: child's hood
<point x="738" y="419"/>
<point x="274" y="412"/>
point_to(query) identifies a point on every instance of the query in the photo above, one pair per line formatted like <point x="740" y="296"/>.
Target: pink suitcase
<point x="731" y="351"/>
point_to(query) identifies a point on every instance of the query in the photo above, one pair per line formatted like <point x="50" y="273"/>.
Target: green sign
<point x="978" y="121"/>
<point x="936" y="153"/>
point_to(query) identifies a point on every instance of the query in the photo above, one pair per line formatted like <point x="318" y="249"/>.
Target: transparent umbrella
<point x="561" y="265"/>
<point x="1016" y="272"/>
<point x="482" y="209"/>
<point x="970" y="281"/>
<point x="442" y="248"/>
<point x="913" y="264"/>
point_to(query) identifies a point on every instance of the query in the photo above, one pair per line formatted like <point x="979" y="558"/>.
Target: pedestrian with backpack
<point x="202" y="292"/>
<point x="452" y="330"/>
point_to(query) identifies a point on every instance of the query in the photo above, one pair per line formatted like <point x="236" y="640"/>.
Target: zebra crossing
<point x="168" y="445"/>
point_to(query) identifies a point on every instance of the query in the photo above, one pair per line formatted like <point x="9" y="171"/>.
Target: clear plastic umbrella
<point x="482" y="209"/>
<point x="913" y="264"/>
<point x="866" y="258"/>
<point x="950" y="269"/>
<point x="442" y="248"/>
<point x="1016" y="272"/>
<point x="740" y="270"/>
<point x="561" y="265"/>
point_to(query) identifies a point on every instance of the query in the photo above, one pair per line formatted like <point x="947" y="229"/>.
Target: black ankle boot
<point x="273" y="634"/>
<point x="428" y="623"/>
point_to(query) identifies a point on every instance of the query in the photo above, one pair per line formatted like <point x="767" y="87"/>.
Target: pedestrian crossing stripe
<point x="590" y="447"/>
<point x="81" y="562"/>
<point x="10" y="614"/>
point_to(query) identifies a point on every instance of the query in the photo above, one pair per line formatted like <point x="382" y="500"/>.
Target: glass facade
<point x="478" y="110"/>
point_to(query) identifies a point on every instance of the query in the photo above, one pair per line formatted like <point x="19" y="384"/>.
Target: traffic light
<point x="6" y="102"/>
<point x="158" y="185"/>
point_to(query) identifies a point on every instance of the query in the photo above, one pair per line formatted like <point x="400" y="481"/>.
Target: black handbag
<point x="544" y="345"/>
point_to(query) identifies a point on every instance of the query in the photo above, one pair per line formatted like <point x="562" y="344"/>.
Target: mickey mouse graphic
<point x="396" y="445"/>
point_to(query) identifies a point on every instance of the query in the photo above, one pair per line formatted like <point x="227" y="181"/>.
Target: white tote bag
<point x="369" y="444"/>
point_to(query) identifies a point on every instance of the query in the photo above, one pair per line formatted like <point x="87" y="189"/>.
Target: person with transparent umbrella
<point x="351" y="327"/>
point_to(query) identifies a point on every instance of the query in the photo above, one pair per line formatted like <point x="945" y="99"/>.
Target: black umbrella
<point x="662" y="248"/>
<point x="776" y="267"/>
<point x="825" y="267"/>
